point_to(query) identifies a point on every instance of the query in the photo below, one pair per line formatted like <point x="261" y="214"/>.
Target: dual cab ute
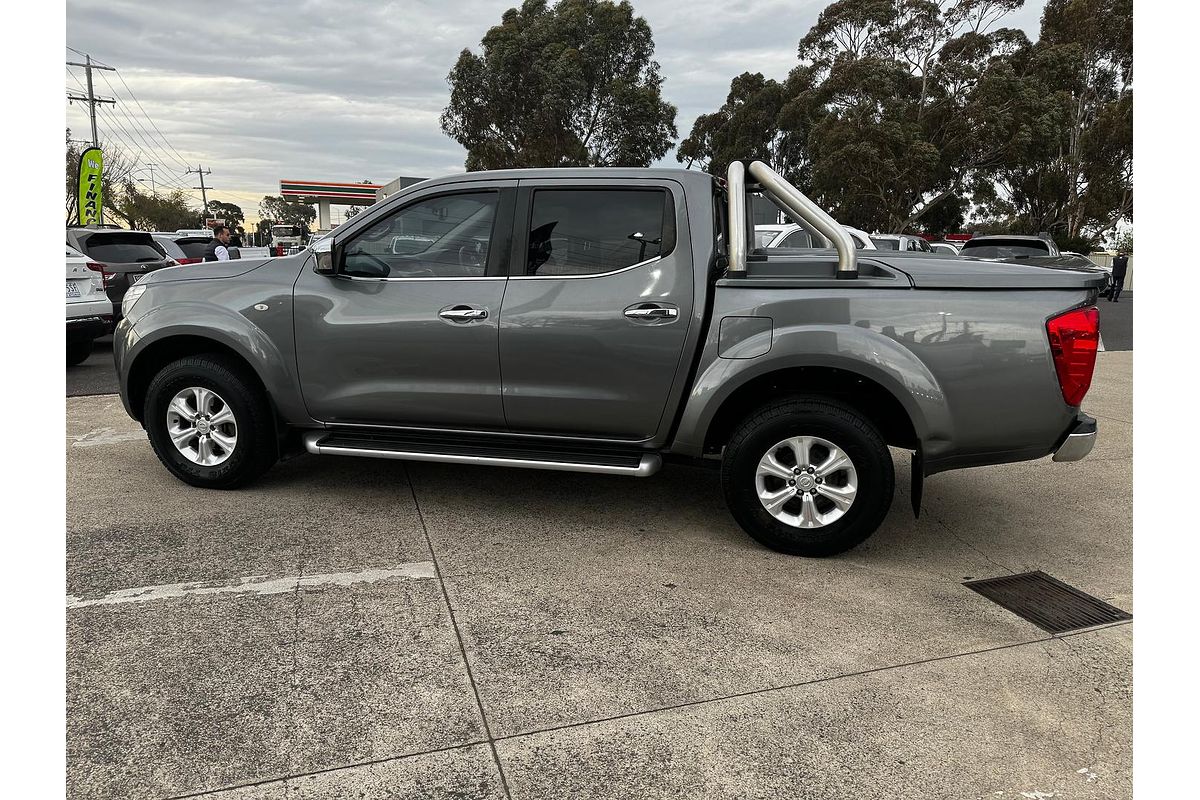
<point x="600" y="320"/>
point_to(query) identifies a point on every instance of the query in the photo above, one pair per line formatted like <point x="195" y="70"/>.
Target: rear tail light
<point x="190" y="260"/>
<point x="1074" y="340"/>
<point x="104" y="276"/>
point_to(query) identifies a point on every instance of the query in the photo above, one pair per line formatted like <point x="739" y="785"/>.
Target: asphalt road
<point x="1116" y="322"/>
<point x="97" y="375"/>
<point x="369" y="628"/>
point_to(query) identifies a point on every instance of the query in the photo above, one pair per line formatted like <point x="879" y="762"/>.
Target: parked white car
<point x="903" y="242"/>
<point x="89" y="311"/>
<point x="765" y="234"/>
<point x="796" y="236"/>
<point x="944" y="248"/>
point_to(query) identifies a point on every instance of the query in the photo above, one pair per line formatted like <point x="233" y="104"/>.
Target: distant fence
<point x="1106" y="259"/>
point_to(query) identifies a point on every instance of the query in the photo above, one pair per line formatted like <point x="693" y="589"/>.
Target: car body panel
<point x="573" y="362"/>
<point x="251" y="316"/>
<point x="972" y="368"/>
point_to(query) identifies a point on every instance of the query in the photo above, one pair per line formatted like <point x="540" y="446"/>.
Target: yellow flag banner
<point x="91" y="198"/>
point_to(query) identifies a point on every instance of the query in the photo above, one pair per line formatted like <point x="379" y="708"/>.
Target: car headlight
<point x="131" y="297"/>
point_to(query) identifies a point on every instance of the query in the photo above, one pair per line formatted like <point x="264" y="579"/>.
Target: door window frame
<point x="499" y="245"/>
<point x="519" y="257"/>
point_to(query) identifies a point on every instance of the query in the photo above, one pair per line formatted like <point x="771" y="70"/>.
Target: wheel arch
<point x="157" y="354"/>
<point x="899" y="424"/>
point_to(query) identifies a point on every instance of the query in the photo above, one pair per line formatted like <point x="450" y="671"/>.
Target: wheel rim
<point x="806" y="482"/>
<point x="202" y="426"/>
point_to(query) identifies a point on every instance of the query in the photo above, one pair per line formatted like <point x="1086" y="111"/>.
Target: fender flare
<point x="274" y="369"/>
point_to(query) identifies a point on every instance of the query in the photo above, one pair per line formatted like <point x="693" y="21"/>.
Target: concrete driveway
<point x="369" y="629"/>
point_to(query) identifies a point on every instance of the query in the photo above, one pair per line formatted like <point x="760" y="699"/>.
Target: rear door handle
<point x="462" y="313"/>
<point x="648" y="312"/>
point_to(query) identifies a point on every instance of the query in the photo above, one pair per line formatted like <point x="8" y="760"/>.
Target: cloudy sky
<point x="352" y="90"/>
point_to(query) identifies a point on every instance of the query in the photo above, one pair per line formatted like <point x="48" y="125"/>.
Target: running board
<point x="487" y="451"/>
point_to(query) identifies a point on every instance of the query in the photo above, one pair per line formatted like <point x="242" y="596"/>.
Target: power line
<point x="91" y="98"/>
<point x="117" y="129"/>
<point x="138" y="131"/>
<point x="142" y="133"/>
<point x="153" y="152"/>
<point x="199" y="170"/>
<point x="149" y="119"/>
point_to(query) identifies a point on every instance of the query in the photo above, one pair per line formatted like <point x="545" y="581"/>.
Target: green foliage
<point x="1124" y="242"/>
<point x="229" y="212"/>
<point x="144" y="211"/>
<point x="1076" y="179"/>
<point x="746" y="127"/>
<point x="274" y="209"/>
<point x="568" y="85"/>
<point x="901" y="110"/>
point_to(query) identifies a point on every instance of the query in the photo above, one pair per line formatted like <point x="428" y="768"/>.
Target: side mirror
<point x="328" y="255"/>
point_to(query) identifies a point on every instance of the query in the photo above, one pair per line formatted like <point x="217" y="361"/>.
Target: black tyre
<point x="78" y="352"/>
<point x="209" y="422"/>
<point x="807" y="476"/>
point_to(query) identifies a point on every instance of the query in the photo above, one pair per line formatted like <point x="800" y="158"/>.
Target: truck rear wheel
<point x="209" y="423"/>
<point x="807" y="476"/>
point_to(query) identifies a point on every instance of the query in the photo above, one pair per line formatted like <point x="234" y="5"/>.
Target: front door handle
<point x="648" y="312"/>
<point x="463" y="313"/>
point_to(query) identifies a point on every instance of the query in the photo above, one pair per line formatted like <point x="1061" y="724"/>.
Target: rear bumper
<point x="85" y="329"/>
<point x="1079" y="440"/>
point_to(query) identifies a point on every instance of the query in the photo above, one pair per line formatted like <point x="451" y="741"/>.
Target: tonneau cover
<point x="963" y="272"/>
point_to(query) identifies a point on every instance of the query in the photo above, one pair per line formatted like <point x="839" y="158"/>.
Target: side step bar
<point x="484" y="450"/>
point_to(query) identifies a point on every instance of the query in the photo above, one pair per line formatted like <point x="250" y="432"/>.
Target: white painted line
<point x="103" y="436"/>
<point x="255" y="584"/>
<point x="1101" y="343"/>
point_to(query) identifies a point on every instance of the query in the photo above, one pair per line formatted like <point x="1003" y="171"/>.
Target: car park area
<point x="349" y="627"/>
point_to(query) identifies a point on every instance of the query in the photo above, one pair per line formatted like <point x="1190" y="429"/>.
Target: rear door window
<point x="122" y="248"/>
<point x="170" y="248"/>
<point x="593" y="231"/>
<point x="797" y="239"/>
<point x="193" y="248"/>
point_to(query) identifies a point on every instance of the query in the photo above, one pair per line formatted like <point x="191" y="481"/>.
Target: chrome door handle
<point x="463" y="313"/>
<point x="652" y="313"/>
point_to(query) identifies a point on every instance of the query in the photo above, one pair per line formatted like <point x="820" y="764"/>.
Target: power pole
<point x="91" y="98"/>
<point x="203" y="189"/>
<point x="153" y="188"/>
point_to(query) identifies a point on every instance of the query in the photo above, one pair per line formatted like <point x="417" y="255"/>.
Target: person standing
<point x="218" y="248"/>
<point x="1120" y="267"/>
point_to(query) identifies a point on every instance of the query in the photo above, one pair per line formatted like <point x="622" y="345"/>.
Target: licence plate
<point x="72" y="290"/>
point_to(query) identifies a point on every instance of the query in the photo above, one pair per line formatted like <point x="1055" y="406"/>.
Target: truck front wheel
<point x="807" y="476"/>
<point x="208" y="422"/>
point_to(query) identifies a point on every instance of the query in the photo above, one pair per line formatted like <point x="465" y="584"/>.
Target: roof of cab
<point x="568" y="173"/>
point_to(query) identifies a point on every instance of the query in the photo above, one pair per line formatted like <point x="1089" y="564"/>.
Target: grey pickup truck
<point x="603" y="320"/>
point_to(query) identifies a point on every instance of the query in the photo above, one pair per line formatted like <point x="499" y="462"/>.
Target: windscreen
<point x="170" y="248"/>
<point x="122" y="248"/>
<point x="1005" y="248"/>
<point x="193" y="248"/>
<point x="763" y="238"/>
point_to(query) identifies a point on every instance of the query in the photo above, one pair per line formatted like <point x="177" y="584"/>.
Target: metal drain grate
<point x="1048" y="602"/>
